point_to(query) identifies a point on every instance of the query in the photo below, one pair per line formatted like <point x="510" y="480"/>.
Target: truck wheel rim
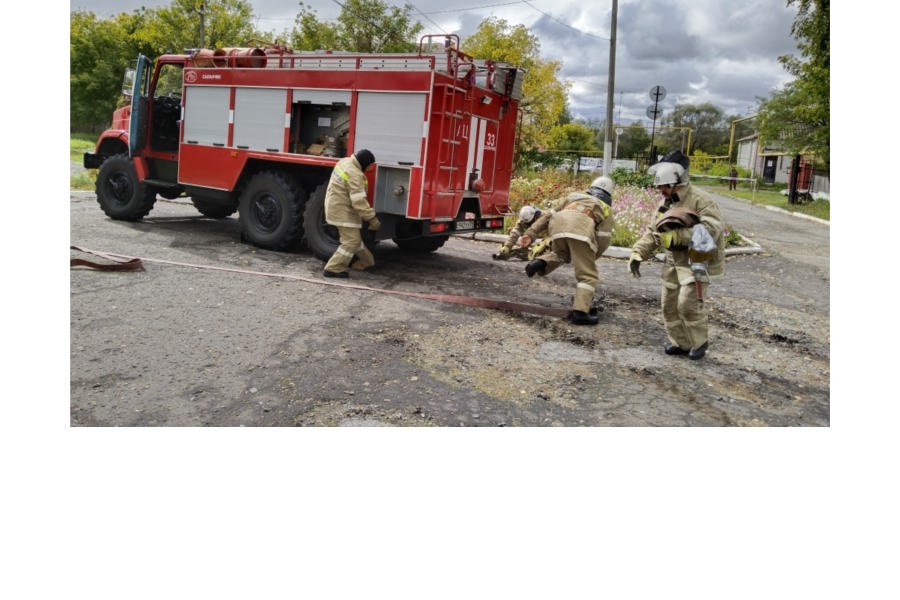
<point x="266" y="212"/>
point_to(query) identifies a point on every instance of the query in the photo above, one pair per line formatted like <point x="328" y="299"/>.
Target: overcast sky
<point x="719" y="51"/>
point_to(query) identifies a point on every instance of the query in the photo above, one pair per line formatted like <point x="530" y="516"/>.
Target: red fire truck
<point x="257" y="131"/>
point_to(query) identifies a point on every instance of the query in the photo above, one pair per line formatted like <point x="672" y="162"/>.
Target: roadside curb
<point x="798" y="215"/>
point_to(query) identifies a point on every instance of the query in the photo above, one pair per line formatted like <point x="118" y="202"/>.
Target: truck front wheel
<point x="271" y="210"/>
<point x="321" y="238"/>
<point x="120" y="194"/>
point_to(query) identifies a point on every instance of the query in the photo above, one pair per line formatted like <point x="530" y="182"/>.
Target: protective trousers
<point x="351" y="245"/>
<point x="583" y="261"/>
<point x="687" y="324"/>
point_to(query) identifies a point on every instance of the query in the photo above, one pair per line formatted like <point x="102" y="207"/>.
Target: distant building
<point x="773" y="166"/>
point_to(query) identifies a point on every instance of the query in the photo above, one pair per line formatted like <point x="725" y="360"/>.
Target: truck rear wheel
<point x="321" y="238"/>
<point x="120" y="194"/>
<point x="271" y="210"/>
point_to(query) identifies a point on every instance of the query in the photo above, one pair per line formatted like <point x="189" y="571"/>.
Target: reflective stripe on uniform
<point x="354" y="224"/>
<point x="573" y="236"/>
<point x="340" y="173"/>
<point x="357" y="196"/>
<point x="586" y="286"/>
<point x="343" y="252"/>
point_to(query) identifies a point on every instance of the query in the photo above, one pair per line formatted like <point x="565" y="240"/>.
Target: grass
<point x="79" y="143"/>
<point x="816" y="208"/>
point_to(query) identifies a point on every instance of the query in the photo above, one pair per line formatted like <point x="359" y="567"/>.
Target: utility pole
<point x="202" y="12"/>
<point x="610" y="90"/>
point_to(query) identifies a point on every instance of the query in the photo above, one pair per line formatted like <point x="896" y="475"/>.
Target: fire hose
<point x="120" y="262"/>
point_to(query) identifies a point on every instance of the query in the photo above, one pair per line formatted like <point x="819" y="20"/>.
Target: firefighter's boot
<point x="579" y="317"/>
<point x="536" y="266"/>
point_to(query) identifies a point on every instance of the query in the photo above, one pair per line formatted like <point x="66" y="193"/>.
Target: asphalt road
<point x="214" y="332"/>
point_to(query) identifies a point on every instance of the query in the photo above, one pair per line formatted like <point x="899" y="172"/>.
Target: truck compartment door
<point x="260" y="119"/>
<point x="391" y="125"/>
<point x="206" y="115"/>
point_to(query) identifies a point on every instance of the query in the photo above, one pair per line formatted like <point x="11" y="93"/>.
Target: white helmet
<point x="527" y="213"/>
<point x="601" y="189"/>
<point x="604" y="183"/>
<point x="668" y="173"/>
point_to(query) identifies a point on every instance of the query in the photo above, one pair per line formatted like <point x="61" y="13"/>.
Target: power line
<point x="551" y="17"/>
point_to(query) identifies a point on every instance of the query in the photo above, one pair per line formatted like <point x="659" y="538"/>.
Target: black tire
<point x="421" y="244"/>
<point x="213" y="210"/>
<point x="120" y="194"/>
<point x="321" y="238"/>
<point x="271" y="210"/>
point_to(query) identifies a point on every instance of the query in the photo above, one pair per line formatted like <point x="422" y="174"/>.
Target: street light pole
<point x="610" y="88"/>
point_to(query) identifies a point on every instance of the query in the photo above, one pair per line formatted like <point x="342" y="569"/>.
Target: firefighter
<point x="346" y="207"/>
<point x="509" y="249"/>
<point x="684" y="315"/>
<point x="580" y="227"/>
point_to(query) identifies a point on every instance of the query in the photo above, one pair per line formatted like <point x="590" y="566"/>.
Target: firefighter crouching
<point x="684" y="315"/>
<point x="528" y="214"/>
<point x="580" y="228"/>
<point x="346" y="207"/>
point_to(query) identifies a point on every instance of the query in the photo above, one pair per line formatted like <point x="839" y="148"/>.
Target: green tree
<point x="309" y="33"/>
<point x="571" y="137"/>
<point x="176" y="28"/>
<point x="376" y="26"/>
<point x="99" y="52"/>
<point x="634" y="141"/>
<point x="362" y="26"/>
<point x="544" y="94"/>
<point x="798" y="116"/>
<point x="709" y="129"/>
<point x="101" y="49"/>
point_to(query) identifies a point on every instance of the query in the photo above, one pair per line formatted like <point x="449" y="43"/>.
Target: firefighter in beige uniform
<point x="510" y="248"/>
<point x="685" y="316"/>
<point x="346" y="207"/>
<point x="580" y="227"/>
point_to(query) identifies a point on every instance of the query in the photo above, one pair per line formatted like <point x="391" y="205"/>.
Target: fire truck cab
<point x="258" y="130"/>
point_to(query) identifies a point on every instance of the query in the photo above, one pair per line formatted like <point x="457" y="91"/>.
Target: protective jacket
<point x="578" y="216"/>
<point x="677" y="241"/>
<point x="345" y="201"/>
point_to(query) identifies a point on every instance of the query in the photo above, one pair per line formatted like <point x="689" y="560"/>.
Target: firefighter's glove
<point x="374" y="224"/>
<point x="502" y="254"/>
<point x="634" y="265"/>
<point x="525" y="241"/>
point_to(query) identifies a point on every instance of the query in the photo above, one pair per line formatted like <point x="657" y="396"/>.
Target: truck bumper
<point x="93" y="161"/>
